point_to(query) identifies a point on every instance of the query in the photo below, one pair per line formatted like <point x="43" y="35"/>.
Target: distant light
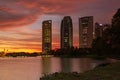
<point x="101" y="24"/>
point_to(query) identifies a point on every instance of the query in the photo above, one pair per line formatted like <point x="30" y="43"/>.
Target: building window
<point x="84" y="44"/>
<point x="85" y="31"/>
<point x="47" y="32"/>
<point x="84" y="38"/>
<point x="65" y="39"/>
<point x="47" y="39"/>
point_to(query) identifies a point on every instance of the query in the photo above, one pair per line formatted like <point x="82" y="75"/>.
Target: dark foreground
<point x="109" y="72"/>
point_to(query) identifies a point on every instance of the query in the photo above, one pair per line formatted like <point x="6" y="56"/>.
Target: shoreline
<point x="106" y="72"/>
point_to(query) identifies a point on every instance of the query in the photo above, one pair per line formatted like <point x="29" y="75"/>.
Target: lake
<point x="32" y="68"/>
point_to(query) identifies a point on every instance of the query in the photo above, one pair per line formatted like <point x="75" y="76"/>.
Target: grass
<point x="109" y="72"/>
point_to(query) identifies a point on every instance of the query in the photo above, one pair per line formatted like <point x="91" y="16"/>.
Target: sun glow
<point x="9" y="50"/>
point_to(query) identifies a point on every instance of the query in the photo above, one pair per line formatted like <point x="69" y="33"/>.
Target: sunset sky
<point x="21" y="20"/>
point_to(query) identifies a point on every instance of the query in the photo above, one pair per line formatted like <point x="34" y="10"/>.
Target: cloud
<point x="16" y="13"/>
<point x="20" y="39"/>
<point x="24" y="43"/>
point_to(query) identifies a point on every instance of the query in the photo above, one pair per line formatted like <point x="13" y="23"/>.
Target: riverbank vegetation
<point x="87" y="52"/>
<point x="22" y="54"/>
<point x="109" y="72"/>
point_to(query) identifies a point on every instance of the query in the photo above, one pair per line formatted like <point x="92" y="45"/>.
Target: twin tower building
<point x="66" y="33"/>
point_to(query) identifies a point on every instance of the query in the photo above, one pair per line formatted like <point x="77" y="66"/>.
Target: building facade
<point x="46" y="36"/>
<point x="85" y="32"/>
<point x="66" y="32"/>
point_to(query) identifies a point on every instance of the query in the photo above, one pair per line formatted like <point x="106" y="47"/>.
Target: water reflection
<point x="80" y="65"/>
<point x="46" y="65"/>
<point x="33" y="68"/>
<point x="56" y="65"/>
<point x="51" y="65"/>
<point x="65" y="65"/>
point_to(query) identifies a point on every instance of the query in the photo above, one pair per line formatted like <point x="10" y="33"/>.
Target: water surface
<point x="32" y="68"/>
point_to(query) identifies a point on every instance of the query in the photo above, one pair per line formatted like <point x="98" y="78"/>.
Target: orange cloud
<point x="17" y="40"/>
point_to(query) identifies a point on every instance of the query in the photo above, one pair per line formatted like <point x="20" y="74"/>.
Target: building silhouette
<point x="116" y="18"/>
<point x="114" y="39"/>
<point x="46" y="36"/>
<point x="85" y="31"/>
<point x="66" y="32"/>
<point x="98" y="30"/>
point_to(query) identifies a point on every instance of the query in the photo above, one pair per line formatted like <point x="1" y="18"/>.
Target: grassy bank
<point x="109" y="72"/>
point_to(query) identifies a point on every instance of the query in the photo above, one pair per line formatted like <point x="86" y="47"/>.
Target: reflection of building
<point x="66" y="65"/>
<point x="46" y="65"/>
<point x="66" y="32"/>
<point x="85" y="31"/>
<point x="75" y="65"/>
<point x="46" y="36"/>
<point x="56" y="65"/>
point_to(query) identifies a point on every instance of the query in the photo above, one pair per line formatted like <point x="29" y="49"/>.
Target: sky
<point x="21" y="20"/>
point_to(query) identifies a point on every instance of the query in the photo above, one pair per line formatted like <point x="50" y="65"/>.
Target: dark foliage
<point x="22" y="54"/>
<point x="109" y="43"/>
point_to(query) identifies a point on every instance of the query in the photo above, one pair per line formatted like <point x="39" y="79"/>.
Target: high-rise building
<point x="66" y="32"/>
<point x="46" y="36"/>
<point x="98" y="30"/>
<point x="106" y="26"/>
<point x="85" y="31"/>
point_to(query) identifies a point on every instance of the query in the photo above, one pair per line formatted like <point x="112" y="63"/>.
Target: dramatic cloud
<point x="16" y="13"/>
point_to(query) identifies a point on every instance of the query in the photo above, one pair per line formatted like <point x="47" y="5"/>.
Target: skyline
<point x="21" y="21"/>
